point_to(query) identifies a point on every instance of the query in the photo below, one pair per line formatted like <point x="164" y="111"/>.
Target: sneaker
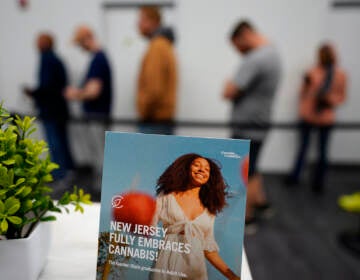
<point x="350" y="203"/>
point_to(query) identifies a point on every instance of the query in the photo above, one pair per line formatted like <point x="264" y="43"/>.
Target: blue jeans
<point x="57" y="137"/>
<point x="322" y="161"/>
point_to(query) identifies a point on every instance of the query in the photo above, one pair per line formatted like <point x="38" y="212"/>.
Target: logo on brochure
<point x="116" y="201"/>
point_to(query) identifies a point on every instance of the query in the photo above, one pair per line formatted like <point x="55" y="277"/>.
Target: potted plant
<point x="25" y="201"/>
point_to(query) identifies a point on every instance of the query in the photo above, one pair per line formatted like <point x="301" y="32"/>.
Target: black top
<point x="52" y="80"/>
<point x="99" y="69"/>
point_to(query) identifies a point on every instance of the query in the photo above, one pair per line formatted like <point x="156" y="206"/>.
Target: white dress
<point x="197" y="232"/>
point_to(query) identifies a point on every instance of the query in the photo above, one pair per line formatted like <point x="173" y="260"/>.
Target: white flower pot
<point x="23" y="259"/>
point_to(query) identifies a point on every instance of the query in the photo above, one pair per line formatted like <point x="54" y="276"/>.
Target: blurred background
<point x="302" y="234"/>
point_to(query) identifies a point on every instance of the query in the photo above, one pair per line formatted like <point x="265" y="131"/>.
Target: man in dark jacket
<point x="51" y="104"/>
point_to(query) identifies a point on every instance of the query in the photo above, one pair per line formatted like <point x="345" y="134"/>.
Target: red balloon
<point x="134" y="207"/>
<point x="245" y="170"/>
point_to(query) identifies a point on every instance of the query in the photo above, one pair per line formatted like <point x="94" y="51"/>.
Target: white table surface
<point x="73" y="251"/>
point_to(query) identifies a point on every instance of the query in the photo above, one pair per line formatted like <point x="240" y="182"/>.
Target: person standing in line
<point x="96" y="89"/>
<point x="51" y="104"/>
<point x="157" y="81"/>
<point x="95" y="93"/>
<point x="251" y="92"/>
<point x="322" y="91"/>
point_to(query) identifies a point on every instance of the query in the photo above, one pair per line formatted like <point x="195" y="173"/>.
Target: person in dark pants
<point x="251" y="92"/>
<point x="95" y="93"/>
<point x="323" y="89"/>
<point x="53" y="109"/>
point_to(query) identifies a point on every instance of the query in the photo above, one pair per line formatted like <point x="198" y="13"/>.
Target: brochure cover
<point x="172" y="207"/>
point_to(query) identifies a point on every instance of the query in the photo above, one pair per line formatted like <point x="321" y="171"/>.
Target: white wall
<point x="18" y="30"/>
<point x="342" y="26"/>
<point x="205" y="56"/>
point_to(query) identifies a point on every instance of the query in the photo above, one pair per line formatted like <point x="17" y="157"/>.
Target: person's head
<point x="149" y="20"/>
<point x="84" y="37"/>
<point x="44" y="42"/>
<point x="191" y="171"/>
<point x="244" y="37"/>
<point x="326" y="55"/>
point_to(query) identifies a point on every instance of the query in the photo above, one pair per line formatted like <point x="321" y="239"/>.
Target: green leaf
<point x="13" y="209"/>
<point x="8" y="161"/>
<point x="2" y="207"/>
<point x="18" y="159"/>
<point x="29" y="162"/>
<point x="32" y="180"/>
<point x="73" y="197"/>
<point x="2" y="192"/>
<point x="30" y="221"/>
<point x="2" y="153"/>
<point x="27" y="205"/>
<point x="45" y="189"/>
<point x="78" y="207"/>
<point x="4" y="225"/>
<point x="11" y="176"/>
<point x="15" y="220"/>
<point x="19" y="191"/>
<point x="55" y="209"/>
<point x="37" y="203"/>
<point x="48" y="219"/>
<point x="12" y="203"/>
<point x="26" y="191"/>
<point x="86" y="199"/>
<point x="20" y="181"/>
<point x="31" y="131"/>
<point x="65" y="199"/>
<point x="47" y="178"/>
<point x="51" y="166"/>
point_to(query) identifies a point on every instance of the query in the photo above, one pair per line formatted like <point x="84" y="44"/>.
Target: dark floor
<point x="300" y="240"/>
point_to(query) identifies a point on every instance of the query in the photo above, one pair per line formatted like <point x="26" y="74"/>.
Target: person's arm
<point x="231" y="91"/>
<point x="243" y="78"/>
<point x="90" y="91"/>
<point x="215" y="259"/>
<point x="306" y="99"/>
<point x="211" y="253"/>
<point x="338" y="95"/>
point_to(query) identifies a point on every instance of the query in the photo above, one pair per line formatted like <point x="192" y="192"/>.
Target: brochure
<point x="172" y="207"/>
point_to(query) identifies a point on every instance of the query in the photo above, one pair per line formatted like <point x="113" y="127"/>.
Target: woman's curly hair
<point x="176" y="178"/>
